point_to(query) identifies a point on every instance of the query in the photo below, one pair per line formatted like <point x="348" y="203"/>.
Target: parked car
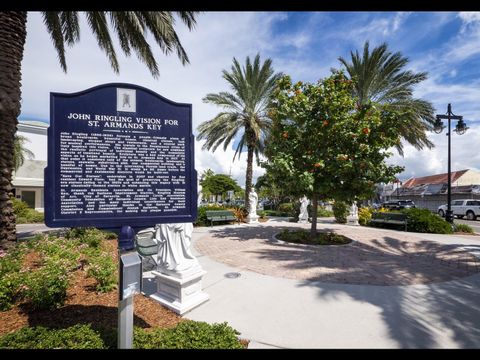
<point x="464" y="207"/>
<point x="398" y="204"/>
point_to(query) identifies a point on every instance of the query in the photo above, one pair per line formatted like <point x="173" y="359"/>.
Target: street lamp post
<point x="460" y="130"/>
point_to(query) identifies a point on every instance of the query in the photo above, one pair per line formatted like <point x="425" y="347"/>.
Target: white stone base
<point x="252" y="219"/>
<point x="302" y="221"/>
<point x="352" y="220"/>
<point x="180" y="294"/>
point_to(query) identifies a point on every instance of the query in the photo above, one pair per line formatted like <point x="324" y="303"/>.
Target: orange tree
<point x="322" y="144"/>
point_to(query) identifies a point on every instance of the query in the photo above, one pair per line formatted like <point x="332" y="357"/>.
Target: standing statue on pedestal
<point x="252" y="203"/>
<point x="174" y="247"/>
<point x="179" y="274"/>
<point x="199" y="194"/>
<point x="253" y="200"/>
<point x="353" y="216"/>
<point x="303" y="217"/>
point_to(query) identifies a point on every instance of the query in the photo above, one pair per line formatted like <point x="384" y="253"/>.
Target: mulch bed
<point x="85" y="306"/>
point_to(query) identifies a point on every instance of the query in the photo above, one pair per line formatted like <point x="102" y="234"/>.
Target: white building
<point x="28" y="181"/>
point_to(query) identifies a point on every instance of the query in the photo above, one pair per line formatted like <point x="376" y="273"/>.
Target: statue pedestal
<point x="252" y="219"/>
<point x="302" y="221"/>
<point x="352" y="220"/>
<point x="180" y="291"/>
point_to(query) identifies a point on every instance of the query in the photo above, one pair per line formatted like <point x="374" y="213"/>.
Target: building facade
<point x="429" y="192"/>
<point x="28" y="180"/>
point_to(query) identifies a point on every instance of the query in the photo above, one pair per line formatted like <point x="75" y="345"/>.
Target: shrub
<point x="202" y="214"/>
<point x="322" y="212"/>
<point x="423" y="221"/>
<point x="289" y="209"/>
<point x="103" y="269"/>
<point x="90" y="236"/>
<point x="10" y="289"/>
<point x="240" y="213"/>
<point x="340" y="211"/>
<point x="74" y="337"/>
<point x="24" y="214"/>
<point x="364" y="215"/>
<point x="463" y="228"/>
<point x="20" y="208"/>
<point x="47" y="286"/>
<point x="188" y="335"/>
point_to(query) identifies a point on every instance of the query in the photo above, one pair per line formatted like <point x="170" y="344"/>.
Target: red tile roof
<point x="433" y="179"/>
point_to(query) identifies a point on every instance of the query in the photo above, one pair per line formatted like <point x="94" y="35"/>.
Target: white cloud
<point x="435" y="161"/>
<point x="469" y="16"/>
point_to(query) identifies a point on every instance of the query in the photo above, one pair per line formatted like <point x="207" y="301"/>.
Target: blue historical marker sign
<point x="119" y="154"/>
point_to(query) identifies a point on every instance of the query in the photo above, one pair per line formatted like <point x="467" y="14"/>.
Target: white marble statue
<point x="199" y="194"/>
<point x="303" y="217"/>
<point x="179" y="274"/>
<point x="352" y="218"/>
<point x="174" y="251"/>
<point x="354" y="209"/>
<point x="253" y="200"/>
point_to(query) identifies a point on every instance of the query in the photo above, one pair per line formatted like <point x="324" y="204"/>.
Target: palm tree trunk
<point x="13" y="32"/>
<point x="313" y="229"/>
<point x="248" y="177"/>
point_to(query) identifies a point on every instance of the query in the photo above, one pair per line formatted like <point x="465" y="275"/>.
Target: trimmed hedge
<point x="186" y="335"/>
<point x="424" y="221"/>
<point x="340" y="211"/>
<point x="74" y="337"/>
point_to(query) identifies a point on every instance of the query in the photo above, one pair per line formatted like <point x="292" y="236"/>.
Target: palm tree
<point x="63" y="26"/>
<point x="20" y="152"/>
<point x="245" y="112"/>
<point x="380" y="77"/>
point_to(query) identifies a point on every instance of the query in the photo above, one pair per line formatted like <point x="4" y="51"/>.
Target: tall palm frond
<point x="380" y="77"/>
<point x="130" y="27"/>
<point x="20" y="152"/>
<point x="245" y="111"/>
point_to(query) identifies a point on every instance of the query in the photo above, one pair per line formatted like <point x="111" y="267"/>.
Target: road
<point x="475" y="224"/>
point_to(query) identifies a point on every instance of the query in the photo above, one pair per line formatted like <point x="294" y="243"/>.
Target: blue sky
<point x="305" y="45"/>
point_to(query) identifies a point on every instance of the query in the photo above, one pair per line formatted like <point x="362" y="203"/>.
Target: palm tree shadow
<point x="438" y="313"/>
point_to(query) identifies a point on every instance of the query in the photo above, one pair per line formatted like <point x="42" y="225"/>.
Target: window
<point x="458" y="203"/>
<point x="29" y="198"/>
<point x="473" y="203"/>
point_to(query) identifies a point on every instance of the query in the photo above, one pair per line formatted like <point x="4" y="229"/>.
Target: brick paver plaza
<point x="375" y="257"/>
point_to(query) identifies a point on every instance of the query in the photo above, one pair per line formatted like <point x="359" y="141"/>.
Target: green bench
<point x="389" y="218"/>
<point x="220" y="215"/>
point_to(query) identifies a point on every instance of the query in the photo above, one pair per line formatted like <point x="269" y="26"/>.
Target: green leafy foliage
<point x="103" y="269"/>
<point x="188" y="335"/>
<point x="74" y="337"/>
<point x="364" y="215"/>
<point x="324" y="145"/>
<point x="303" y="237"/>
<point x="47" y="286"/>
<point x="463" y="228"/>
<point x="219" y="184"/>
<point x="340" y="211"/>
<point x="25" y="214"/>
<point x="287" y="208"/>
<point x="423" y="221"/>
<point x="323" y="212"/>
<point x="10" y="289"/>
<point x="90" y="236"/>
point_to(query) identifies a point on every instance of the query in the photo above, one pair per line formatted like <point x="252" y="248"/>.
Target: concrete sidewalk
<point x="285" y="313"/>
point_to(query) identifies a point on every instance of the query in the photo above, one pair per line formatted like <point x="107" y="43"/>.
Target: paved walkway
<point x="376" y="257"/>
<point x="278" y="301"/>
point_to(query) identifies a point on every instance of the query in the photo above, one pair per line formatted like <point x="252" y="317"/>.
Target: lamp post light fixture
<point x="460" y="129"/>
